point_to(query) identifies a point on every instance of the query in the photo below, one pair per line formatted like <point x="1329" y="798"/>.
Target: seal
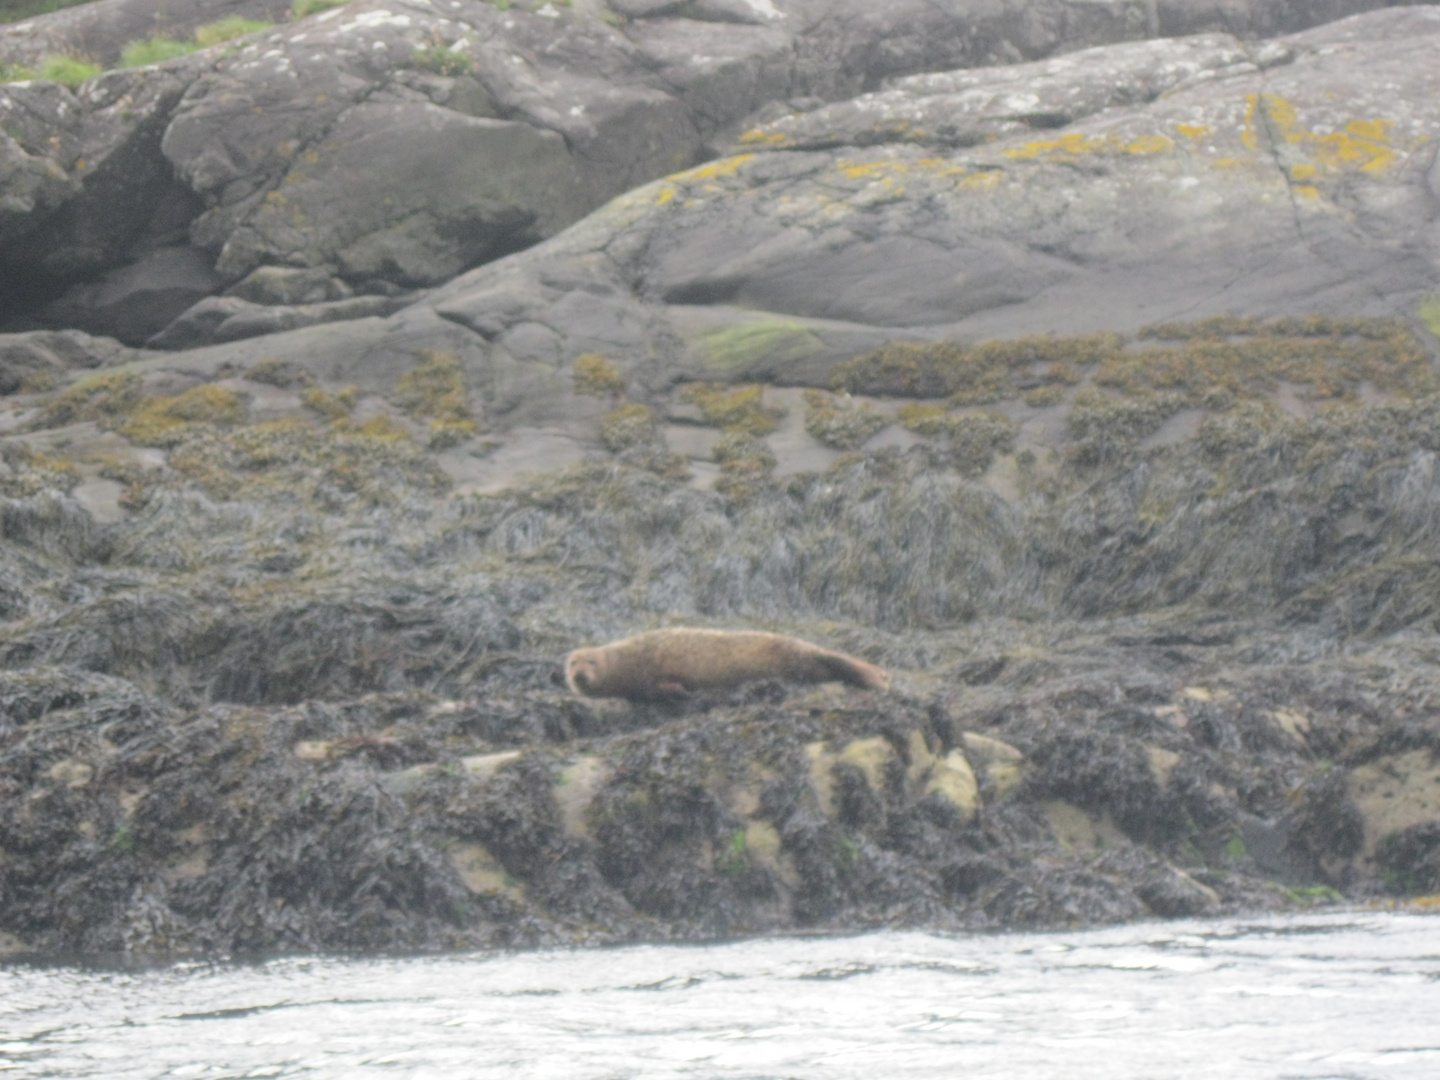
<point x="671" y="663"/>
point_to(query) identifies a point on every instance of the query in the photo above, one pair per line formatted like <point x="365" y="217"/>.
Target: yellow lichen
<point x="1364" y="144"/>
<point x="1150" y="144"/>
<point x="713" y="170"/>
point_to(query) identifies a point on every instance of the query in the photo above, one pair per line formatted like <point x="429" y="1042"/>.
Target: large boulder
<point x="391" y="141"/>
<point x="1286" y="180"/>
<point x="86" y="184"/>
<point x="1253" y="181"/>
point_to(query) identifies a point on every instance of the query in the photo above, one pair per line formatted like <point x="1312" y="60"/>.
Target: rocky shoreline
<point x="1092" y="393"/>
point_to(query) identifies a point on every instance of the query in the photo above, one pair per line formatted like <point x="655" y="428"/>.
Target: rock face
<point x="1092" y="393"/>
<point x="1242" y="182"/>
<point x="406" y="142"/>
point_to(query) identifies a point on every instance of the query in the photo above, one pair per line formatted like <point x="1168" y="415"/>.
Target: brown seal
<point x="670" y="663"/>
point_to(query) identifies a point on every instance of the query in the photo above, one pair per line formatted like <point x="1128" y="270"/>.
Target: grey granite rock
<point x="404" y="142"/>
<point x="87" y="163"/>
<point x="1293" y="179"/>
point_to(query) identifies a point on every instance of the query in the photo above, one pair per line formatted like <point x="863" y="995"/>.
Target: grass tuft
<point x="300" y="8"/>
<point x="154" y="50"/>
<point x="439" y="60"/>
<point x="228" y="29"/>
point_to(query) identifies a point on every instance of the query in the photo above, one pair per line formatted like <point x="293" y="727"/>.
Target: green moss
<point x="228" y="29"/>
<point x="1311" y="895"/>
<point x="300" y="8"/>
<point x="741" y="408"/>
<point x="840" y="424"/>
<point x="16" y="73"/>
<point x="627" y="427"/>
<point x="439" y="60"/>
<point x="1429" y="314"/>
<point x="154" y="50"/>
<point x="1235" y="849"/>
<point x="67" y="70"/>
<point x="159" y="48"/>
<point x="595" y="376"/>
<point x="737" y="347"/>
<point x="733" y="859"/>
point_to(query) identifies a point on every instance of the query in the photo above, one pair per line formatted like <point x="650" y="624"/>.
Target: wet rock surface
<point x="1092" y="395"/>
<point x="295" y="696"/>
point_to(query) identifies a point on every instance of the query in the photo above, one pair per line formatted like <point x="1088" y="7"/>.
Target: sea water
<point x="1352" y="995"/>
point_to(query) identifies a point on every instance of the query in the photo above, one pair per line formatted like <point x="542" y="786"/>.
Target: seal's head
<point x="583" y="670"/>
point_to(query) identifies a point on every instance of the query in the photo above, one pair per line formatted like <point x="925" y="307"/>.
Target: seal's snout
<point x="581" y="672"/>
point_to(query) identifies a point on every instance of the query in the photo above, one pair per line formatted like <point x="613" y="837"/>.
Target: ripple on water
<point x="1327" y="996"/>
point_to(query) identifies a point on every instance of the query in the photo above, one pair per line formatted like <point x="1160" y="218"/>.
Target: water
<point x="1352" y="995"/>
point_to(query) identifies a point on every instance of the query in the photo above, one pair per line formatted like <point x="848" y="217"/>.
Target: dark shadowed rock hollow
<point x="1076" y="363"/>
